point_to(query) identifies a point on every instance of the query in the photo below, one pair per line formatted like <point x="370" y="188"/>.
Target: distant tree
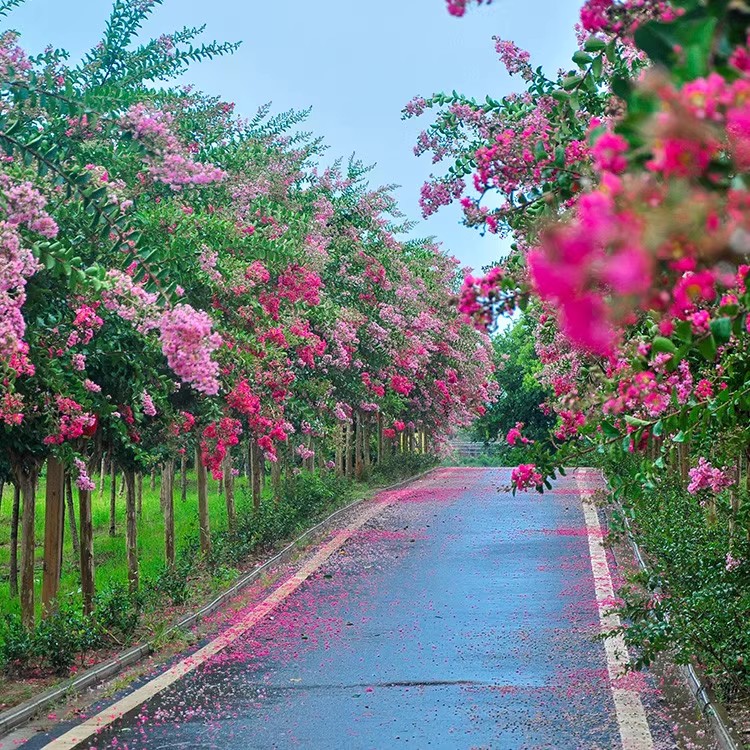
<point x="521" y="393"/>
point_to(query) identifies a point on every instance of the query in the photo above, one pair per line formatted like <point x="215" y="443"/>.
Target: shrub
<point x="117" y="611"/>
<point x="402" y="466"/>
<point x="16" y="644"/>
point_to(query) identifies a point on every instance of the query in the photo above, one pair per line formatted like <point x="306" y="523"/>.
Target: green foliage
<point x="688" y="604"/>
<point x="396" y="468"/>
<point x="53" y="645"/>
<point x="517" y="371"/>
<point x="117" y="611"/>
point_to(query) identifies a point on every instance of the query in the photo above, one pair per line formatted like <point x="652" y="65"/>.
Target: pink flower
<point x="704" y="390"/>
<point x="707" y="477"/>
<point x="84" y="481"/>
<point x="525" y="476"/>
<point x="515" y="59"/>
<point x="11" y="409"/>
<point x="608" y="153"/>
<point x="731" y="563"/>
<point x="594" y="15"/>
<point x="401" y="385"/>
<point x="700" y="322"/>
<point x="148" y="404"/>
<point x="91" y="386"/>
<point x="188" y="343"/>
<point x="514" y="435"/>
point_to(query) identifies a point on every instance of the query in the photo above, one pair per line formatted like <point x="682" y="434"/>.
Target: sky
<point x="355" y="63"/>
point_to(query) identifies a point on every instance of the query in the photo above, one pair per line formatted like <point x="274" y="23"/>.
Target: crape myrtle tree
<point x="181" y="286"/>
<point x="622" y="183"/>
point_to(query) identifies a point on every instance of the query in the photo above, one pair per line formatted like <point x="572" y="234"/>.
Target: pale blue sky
<point x="356" y="63"/>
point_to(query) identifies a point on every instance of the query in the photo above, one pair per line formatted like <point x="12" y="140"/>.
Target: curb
<point x="702" y="694"/>
<point x="18" y="715"/>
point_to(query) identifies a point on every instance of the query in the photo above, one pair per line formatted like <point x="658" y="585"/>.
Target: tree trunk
<point x="153" y="479"/>
<point x="348" y="463"/>
<point x="14" y="540"/>
<point x="139" y="493"/>
<point x="167" y="506"/>
<point x="131" y="529"/>
<point x="276" y="479"/>
<point x="203" y="517"/>
<point x="255" y="454"/>
<point x="183" y="477"/>
<point x="102" y="475"/>
<point x="54" y="520"/>
<point x="113" y="499"/>
<point x="229" y="492"/>
<point x="26" y="476"/>
<point x="359" y="467"/>
<point x="71" y="513"/>
<point x="339" y="457"/>
<point x="366" y="442"/>
<point x="249" y="463"/>
<point x="380" y="437"/>
<point x="87" y="550"/>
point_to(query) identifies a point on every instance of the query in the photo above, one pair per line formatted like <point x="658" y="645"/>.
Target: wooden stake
<point x="131" y="530"/>
<point x="26" y="472"/>
<point x="14" y="540"/>
<point x="255" y="453"/>
<point x="229" y="492"/>
<point x="203" y="517"/>
<point x="167" y="506"/>
<point x="183" y="477"/>
<point x="54" y="520"/>
<point x="87" y="550"/>
<point x="71" y="513"/>
<point x="113" y="499"/>
<point x="139" y="493"/>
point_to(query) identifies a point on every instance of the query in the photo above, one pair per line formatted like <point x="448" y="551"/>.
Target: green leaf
<point x="721" y="328"/>
<point x="570" y="82"/>
<point x="630" y="419"/>
<point x="661" y="344"/>
<point x="707" y="347"/>
<point x="594" y="44"/>
<point x="582" y="59"/>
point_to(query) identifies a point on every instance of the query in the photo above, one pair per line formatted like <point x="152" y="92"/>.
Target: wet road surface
<point x="456" y="617"/>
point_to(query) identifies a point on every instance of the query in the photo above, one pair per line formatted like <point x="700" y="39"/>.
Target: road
<point x="450" y="615"/>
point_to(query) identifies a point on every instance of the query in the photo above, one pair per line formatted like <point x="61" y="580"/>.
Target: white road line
<point x="112" y="713"/>
<point x="631" y="716"/>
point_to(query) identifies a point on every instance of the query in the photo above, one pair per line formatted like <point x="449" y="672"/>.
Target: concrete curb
<point x="15" y="717"/>
<point x="702" y="694"/>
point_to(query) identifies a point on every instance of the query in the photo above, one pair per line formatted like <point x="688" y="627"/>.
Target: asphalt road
<point x="457" y="617"/>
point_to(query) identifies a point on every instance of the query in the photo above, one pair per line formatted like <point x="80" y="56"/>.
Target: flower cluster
<point x="707" y="477"/>
<point x="525" y="476"/>
<point x="188" y="342"/>
<point x="216" y="440"/>
<point x="167" y="159"/>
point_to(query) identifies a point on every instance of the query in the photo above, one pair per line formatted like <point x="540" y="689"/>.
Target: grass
<point x="109" y="552"/>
